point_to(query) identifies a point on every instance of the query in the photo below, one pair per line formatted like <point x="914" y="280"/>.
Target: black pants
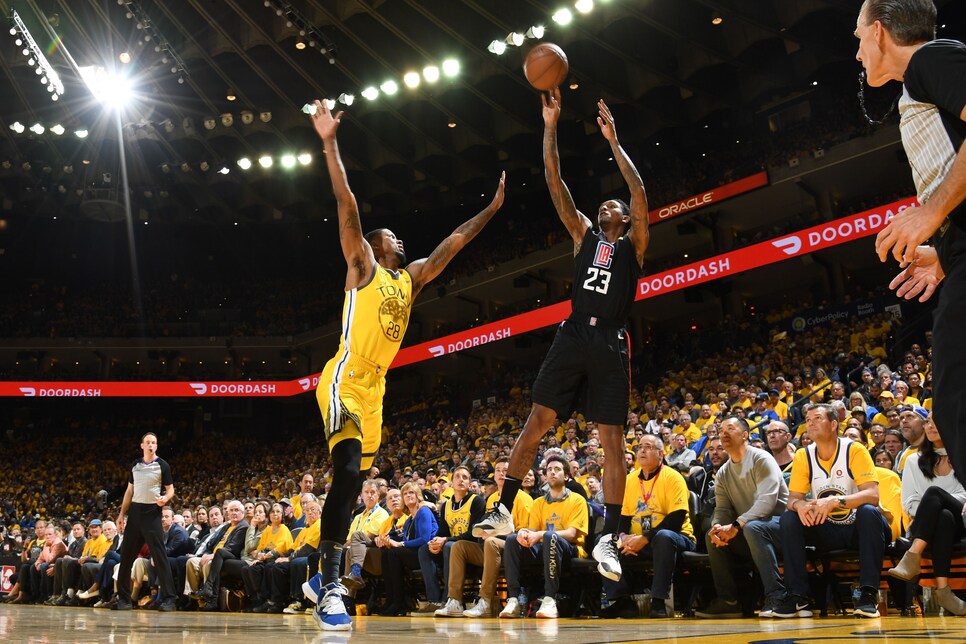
<point x="254" y="579"/>
<point x="395" y="563"/>
<point x="949" y="350"/>
<point x="939" y="522"/>
<point x="224" y="561"/>
<point x="144" y="526"/>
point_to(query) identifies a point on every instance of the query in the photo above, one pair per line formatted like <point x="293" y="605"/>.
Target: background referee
<point x="143" y="497"/>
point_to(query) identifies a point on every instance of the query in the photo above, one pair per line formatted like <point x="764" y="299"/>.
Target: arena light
<point x="80" y="134"/>
<point x="113" y="90"/>
<point x="535" y="32"/>
<point x="346" y="99"/>
<point x="35" y="56"/>
<point x="562" y="17"/>
<point x="431" y="73"/>
<point x="244" y="163"/>
<point x="305" y="158"/>
<point x="515" y="38"/>
<point x="584" y="6"/>
<point x="370" y="93"/>
<point x="224" y="170"/>
<point x="18" y="127"/>
<point x="389" y="87"/>
<point x="451" y="67"/>
<point x="58" y="129"/>
<point x="37" y="128"/>
<point x="496" y="47"/>
<point x="265" y="161"/>
<point x="288" y="161"/>
<point x="411" y="79"/>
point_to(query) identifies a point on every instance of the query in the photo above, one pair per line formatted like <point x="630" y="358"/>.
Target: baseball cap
<point x="762" y="396"/>
<point x="774" y="391"/>
<point x="916" y="409"/>
<point x="886" y="394"/>
<point x="286" y="501"/>
<point x="94" y="523"/>
<point x="859" y="410"/>
<point x="488" y="481"/>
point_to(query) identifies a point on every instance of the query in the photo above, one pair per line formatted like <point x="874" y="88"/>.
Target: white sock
<point x="70" y="592"/>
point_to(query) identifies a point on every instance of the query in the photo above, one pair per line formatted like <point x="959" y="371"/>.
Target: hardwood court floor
<point x="39" y="624"/>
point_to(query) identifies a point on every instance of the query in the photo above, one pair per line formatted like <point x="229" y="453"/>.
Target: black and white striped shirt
<point x="149" y="480"/>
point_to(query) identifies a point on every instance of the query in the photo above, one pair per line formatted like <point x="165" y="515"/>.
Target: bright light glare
<point x="265" y="161"/>
<point x="37" y="128"/>
<point x="535" y="32"/>
<point x="411" y="79"/>
<point x="81" y="134"/>
<point x="431" y="73"/>
<point x="584" y="6"/>
<point x="370" y="93"/>
<point x="451" y="67"/>
<point x="17" y="127"/>
<point x="288" y="161"/>
<point x="563" y="17"/>
<point x="58" y="129"/>
<point x="305" y="158"/>
<point x="244" y="163"/>
<point x="515" y="38"/>
<point x="111" y="89"/>
<point x="389" y="87"/>
<point x="496" y="47"/>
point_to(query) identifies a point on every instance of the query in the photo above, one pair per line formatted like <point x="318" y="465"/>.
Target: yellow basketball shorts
<point x="350" y="396"/>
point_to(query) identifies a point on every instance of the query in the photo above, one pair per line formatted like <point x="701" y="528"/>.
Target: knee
<point x="790" y="521"/>
<point x="662" y="539"/>
<point x="867" y="513"/>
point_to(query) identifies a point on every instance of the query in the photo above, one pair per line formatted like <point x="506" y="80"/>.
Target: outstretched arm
<point x="358" y="253"/>
<point x="423" y="271"/>
<point x="640" y="236"/>
<point x="575" y="222"/>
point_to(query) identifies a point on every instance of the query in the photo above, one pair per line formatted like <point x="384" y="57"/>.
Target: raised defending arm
<point x="575" y="222"/>
<point x="424" y="271"/>
<point x="640" y="236"/>
<point x="358" y="253"/>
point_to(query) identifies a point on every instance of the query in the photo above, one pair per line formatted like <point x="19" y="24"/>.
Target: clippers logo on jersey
<point x="604" y="255"/>
<point x="393" y="312"/>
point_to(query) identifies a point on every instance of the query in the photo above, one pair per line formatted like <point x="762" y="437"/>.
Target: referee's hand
<point x="161" y="501"/>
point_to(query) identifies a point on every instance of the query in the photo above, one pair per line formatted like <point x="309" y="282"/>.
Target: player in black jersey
<point x="591" y="352"/>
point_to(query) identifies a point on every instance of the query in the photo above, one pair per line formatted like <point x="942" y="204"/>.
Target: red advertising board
<point x="707" y="198"/>
<point x="797" y="244"/>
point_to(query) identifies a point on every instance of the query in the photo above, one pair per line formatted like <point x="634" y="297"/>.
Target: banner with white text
<point x="797" y="244"/>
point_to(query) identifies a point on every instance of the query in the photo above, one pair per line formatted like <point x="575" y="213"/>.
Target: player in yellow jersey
<point x="378" y="300"/>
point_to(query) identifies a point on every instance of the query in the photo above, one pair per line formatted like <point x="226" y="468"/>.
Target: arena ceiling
<point x="667" y="71"/>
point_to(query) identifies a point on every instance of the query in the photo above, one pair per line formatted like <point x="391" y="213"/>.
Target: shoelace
<point x="332" y="600"/>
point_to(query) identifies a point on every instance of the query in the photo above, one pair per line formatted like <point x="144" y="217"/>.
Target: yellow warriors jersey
<point x="458" y="519"/>
<point x="375" y="317"/>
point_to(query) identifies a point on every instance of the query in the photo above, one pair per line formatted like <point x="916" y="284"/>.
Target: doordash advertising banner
<point x="797" y="244"/>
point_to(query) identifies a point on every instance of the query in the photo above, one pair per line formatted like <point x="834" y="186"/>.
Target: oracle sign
<point x="706" y="198"/>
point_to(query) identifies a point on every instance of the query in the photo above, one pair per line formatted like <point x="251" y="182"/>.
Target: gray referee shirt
<point x="149" y="480"/>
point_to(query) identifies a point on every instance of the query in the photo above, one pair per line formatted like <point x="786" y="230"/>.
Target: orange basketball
<point x="546" y="66"/>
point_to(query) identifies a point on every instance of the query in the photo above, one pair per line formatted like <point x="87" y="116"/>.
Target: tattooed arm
<point x="358" y="253"/>
<point x="424" y="271"/>
<point x="640" y="236"/>
<point x="575" y="222"/>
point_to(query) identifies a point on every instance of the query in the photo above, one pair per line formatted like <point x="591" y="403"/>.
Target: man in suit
<point x="233" y="538"/>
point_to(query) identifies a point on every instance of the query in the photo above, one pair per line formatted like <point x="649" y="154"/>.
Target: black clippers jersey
<point x="605" y="278"/>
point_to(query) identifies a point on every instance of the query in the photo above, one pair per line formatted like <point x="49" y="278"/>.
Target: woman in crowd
<point x="198" y="530"/>
<point x="936" y="501"/>
<point x="275" y="541"/>
<point x="419" y="528"/>
<point x="530" y="484"/>
<point x="883" y="458"/>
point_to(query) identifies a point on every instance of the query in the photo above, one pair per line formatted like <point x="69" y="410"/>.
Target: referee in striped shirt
<point x="144" y="499"/>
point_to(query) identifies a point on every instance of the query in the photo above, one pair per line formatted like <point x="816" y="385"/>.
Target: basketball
<point x="546" y="66"/>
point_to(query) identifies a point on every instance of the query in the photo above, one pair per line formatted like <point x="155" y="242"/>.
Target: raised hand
<point x="606" y="121"/>
<point x="497" y="202"/>
<point x="324" y="122"/>
<point x="919" y="277"/>
<point x="551" y="107"/>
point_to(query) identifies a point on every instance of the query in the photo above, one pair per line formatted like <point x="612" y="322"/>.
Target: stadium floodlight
<point x="244" y="163"/>
<point x="562" y="17"/>
<point x="515" y="38"/>
<point x="58" y="129"/>
<point x="113" y="90"/>
<point x="370" y="93"/>
<point x="288" y="161"/>
<point x="496" y="47"/>
<point x="584" y="6"/>
<point x="37" y="128"/>
<point x="305" y="158"/>
<point x="431" y="73"/>
<point x="451" y="67"/>
<point x="18" y="127"/>
<point x="224" y="170"/>
<point x="346" y="99"/>
<point x="80" y="134"/>
<point x="389" y="87"/>
<point x="265" y="161"/>
<point x="535" y="32"/>
<point x="411" y="79"/>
